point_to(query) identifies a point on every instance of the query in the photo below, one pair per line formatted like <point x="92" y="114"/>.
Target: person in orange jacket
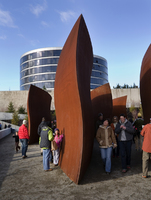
<point x="146" y="133"/>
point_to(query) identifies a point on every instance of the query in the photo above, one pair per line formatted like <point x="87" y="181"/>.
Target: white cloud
<point x="21" y="35"/>
<point x="38" y="9"/>
<point x="6" y="19"/>
<point x="34" y="42"/>
<point x="44" y="23"/>
<point x="66" y="16"/>
<point x="3" y="37"/>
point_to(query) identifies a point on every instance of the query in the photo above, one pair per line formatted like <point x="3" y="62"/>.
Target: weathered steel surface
<point x="102" y="101"/>
<point x="38" y="106"/>
<point x="73" y="103"/>
<point x="119" y="106"/>
<point x="145" y="85"/>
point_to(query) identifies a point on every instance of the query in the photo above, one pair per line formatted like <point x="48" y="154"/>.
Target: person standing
<point x="146" y="133"/>
<point x="45" y="144"/>
<point x="125" y="130"/>
<point x="106" y="139"/>
<point x="43" y="123"/>
<point x="24" y="137"/>
<point x="16" y="141"/>
<point x="113" y="125"/>
<point x="57" y="139"/>
<point x="138" y="123"/>
<point x="99" y="121"/>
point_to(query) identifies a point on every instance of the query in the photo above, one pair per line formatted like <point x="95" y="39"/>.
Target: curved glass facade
<point x="38" y="67"/>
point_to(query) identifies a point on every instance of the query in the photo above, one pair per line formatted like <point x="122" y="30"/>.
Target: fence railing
<point x="5" y="132"/>
<point x="14" y="127"/>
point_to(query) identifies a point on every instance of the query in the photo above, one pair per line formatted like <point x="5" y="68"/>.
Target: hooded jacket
<point x="129" y="131"/>
<point x="105" y="137"/>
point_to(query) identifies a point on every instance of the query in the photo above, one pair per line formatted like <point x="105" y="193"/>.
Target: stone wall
<point x="19" y="98"/>
<point x="133" y="96"/>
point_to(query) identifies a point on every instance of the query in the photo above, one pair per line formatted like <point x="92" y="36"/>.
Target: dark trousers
<point x="116" y="150"/>
<point x="17" y="146"/>
<point x="125" y="150"/>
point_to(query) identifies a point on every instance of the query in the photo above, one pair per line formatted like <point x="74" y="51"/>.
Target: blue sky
<point x="120" y="31"/>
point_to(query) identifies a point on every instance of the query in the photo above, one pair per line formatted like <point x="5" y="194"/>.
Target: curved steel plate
<point x="119" y="106"/>
<point x="38" y="106"/>
<point x="102" y="101"/>
<point x="145" y="83"/>
<point x="73" y="103"/>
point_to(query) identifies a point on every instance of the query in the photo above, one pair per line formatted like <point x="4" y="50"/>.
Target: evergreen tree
<point x="21" y="110"/>
<point x="44" y="87"/>
<point x="10" y="108"/>
<point x="15" y="118"/>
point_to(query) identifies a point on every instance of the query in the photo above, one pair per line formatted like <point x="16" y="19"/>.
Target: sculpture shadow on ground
<point x="95" y="172"/>
<point x="6" y="155"/>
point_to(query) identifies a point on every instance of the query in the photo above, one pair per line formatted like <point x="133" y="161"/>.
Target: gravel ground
<point x="22" y="179"/>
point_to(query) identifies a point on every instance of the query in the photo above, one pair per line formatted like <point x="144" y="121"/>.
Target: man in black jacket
<point x="43" y="123"/>
<point x="125" y="130"/>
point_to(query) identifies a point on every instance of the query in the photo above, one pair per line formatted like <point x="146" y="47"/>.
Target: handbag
<point x="53" y="146"/>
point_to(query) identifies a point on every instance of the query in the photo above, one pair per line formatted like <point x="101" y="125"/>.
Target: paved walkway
<point x="22" y="179"/>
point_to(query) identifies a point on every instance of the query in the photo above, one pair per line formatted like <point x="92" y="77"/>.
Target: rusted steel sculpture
<point x="119" y="106"/>
<point x="38" y="106"/>
<point x="145" y="85"/>
<point x="102" y="101"/>
<point x="73" y="103"/>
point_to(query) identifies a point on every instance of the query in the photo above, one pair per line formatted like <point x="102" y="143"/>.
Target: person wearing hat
<point x="24" y="137"/>
<point x="138" y="123"/>
<point x="146" y="133"/>
<point x="43" y="123"/>
<point x="45" y="143"/>
<point x="99" y="121"/>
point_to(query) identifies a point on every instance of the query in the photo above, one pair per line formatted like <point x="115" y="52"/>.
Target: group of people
<point x="50" y="142"/>
<point x="112" y="138"/>
<point x="49" y="138"/>
<point x="119" y="136"/>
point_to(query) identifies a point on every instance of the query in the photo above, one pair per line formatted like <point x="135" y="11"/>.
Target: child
<point x="58" y="139"/>
<point x="16" y="141"/>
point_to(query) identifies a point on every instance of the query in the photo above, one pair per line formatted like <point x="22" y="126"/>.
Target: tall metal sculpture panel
<point x="145" y="85"/>
<point x="102" y="101"/>
<point x="119" y="106"/>
<point x="73" y="103"/>
<point x="38" y="106"/>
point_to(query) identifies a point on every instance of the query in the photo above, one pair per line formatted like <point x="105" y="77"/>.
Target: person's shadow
<point x="96" y="172"/>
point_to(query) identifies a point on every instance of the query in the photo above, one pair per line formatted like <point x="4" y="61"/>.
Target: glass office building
<point x="38" y="67"/>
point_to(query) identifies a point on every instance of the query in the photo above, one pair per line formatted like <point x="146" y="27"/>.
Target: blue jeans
<point x="46" y="156"/>
<point x="125" y="150"/>
<point x="24" y="143"/>
<point x="50" y="158"/>
<point x="106" y="157"/>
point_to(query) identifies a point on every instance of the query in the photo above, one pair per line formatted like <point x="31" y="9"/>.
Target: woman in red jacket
<point x="24" y="137"/>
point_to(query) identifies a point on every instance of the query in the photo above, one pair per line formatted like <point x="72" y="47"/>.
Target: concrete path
<point x="22" y="179"/>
